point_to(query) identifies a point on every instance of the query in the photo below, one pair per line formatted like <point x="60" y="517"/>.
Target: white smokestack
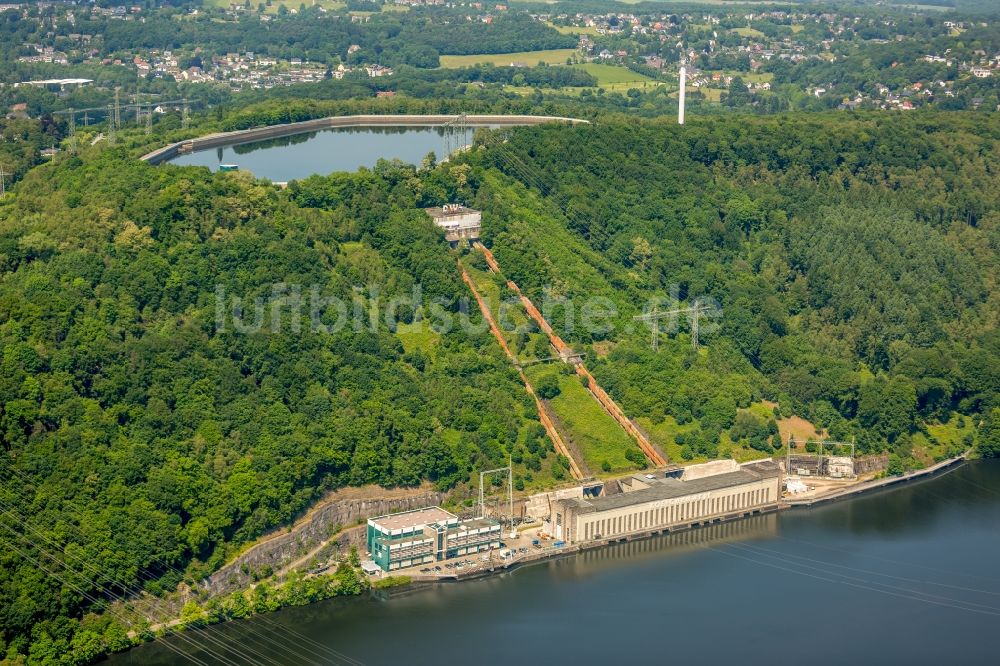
<point x="680" y="108"/>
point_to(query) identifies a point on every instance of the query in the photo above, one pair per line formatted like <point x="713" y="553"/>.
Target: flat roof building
<point x="654" y="503"/>
<point x="426" y="535"/>
<point x="457" y="221"/>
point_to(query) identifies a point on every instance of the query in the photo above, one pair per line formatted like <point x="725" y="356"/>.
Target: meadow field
<point x="530" y="58"/>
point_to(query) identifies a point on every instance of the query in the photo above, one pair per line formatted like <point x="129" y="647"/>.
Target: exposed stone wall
<point x="872" y="463"/>
<point x="283" y="549"/>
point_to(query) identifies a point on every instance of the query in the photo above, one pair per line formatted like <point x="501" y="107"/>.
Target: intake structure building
<point x="459" y="223"/>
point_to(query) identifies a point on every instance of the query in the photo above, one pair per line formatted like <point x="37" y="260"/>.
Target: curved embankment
<point x="610" y="406"/>
<point x="218" y="139"/>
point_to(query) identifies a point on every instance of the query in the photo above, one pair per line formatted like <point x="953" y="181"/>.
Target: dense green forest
<point x="153" y="436"/>
<point x="854" y="261"/>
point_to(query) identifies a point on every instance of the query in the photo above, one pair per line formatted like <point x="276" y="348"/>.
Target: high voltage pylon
<point x="461" y="122"/>
<point x="72" y="131"/>
<point x="118" y="109"/>
<point x="694" y="312"/>
<point x="509" y="471"/>
<point x="3" y="183"/>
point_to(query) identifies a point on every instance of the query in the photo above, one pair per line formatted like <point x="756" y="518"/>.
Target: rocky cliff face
<point x="337" y="515"/>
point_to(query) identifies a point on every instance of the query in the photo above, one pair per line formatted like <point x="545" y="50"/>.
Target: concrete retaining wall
<point x="274" y="131"/>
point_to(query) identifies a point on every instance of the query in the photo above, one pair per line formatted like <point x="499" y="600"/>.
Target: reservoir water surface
<point x="340" y="149"/>
<point x="909" y="575"/>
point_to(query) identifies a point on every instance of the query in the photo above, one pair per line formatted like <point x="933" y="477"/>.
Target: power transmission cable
<point x="888" y="560"/>
<point x="280" y="632"/>
<point x="775" y="553"/>
<point x="131" y="588"/>
<point x="880" y="585"/>
<point x="850" y="584"/>
<point x="96" y="583"/>
<point x="41" y="567"/>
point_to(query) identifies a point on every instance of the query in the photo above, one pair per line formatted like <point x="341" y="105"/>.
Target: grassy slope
<point x="747" y="32"/>
<point x="942" y="440"/>
<point x="595" y="433"/>
<point x="418" y="335"/>
<point x="507" y="311"/>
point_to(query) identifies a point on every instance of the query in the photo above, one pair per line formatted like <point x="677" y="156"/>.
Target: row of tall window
<point x="677" y="513"/>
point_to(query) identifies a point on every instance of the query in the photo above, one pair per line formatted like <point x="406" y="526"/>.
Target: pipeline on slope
<point x="567" y="354"/>
<point x="543" y="415"/>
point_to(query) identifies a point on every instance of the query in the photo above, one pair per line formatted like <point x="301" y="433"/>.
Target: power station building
<point x="458" y="222"/>
<point x="651" y="503"/>
<point x="426" y="535"/>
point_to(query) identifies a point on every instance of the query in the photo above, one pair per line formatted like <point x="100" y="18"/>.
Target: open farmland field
<point x="530" y="58"/>
<point x="575" y="29"/>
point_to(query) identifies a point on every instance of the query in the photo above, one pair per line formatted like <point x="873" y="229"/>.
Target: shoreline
<point x="552" y="553"/>
<point x="418" y="583"/>
<point x="220" y="139"/>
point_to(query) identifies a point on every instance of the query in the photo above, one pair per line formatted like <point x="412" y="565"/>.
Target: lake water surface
<point x="909" y="575"/>
<point x="340" y="149"/>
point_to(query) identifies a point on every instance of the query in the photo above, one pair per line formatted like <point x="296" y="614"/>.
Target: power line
<point x="281" y="632"/>
<point x="54" y="574"/>
<point x="96" y="582"/>
<point x="694" y="313"/>
<point x="903" y="595"/>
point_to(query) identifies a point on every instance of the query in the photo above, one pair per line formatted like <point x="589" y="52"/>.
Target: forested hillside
<point x="855" y="263"/>
<point x="152" y="413"/>
<point x="152" y="436"/>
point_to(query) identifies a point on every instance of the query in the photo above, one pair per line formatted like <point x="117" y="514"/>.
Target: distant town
<point x="873" y="59"/>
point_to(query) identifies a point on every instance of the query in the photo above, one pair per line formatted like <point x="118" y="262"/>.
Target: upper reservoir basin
<point x="338" y="149"/>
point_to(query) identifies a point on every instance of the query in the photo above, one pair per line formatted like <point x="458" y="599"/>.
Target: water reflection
<point x="891" y="512"/>
<point x="906" y="576"/>
<point x="339" y="149"/>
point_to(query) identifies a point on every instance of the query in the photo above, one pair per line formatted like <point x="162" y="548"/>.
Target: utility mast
<point x="509" y="471"/>
<point x="3" y="183"/>
<point x="680" y="107"/>
<point x="118" y="109"/>
<point x="693" y="312"/>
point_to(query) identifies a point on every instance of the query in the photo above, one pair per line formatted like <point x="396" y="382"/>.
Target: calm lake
<point x="909" y="575"/>
<point x="341" y="149"/>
